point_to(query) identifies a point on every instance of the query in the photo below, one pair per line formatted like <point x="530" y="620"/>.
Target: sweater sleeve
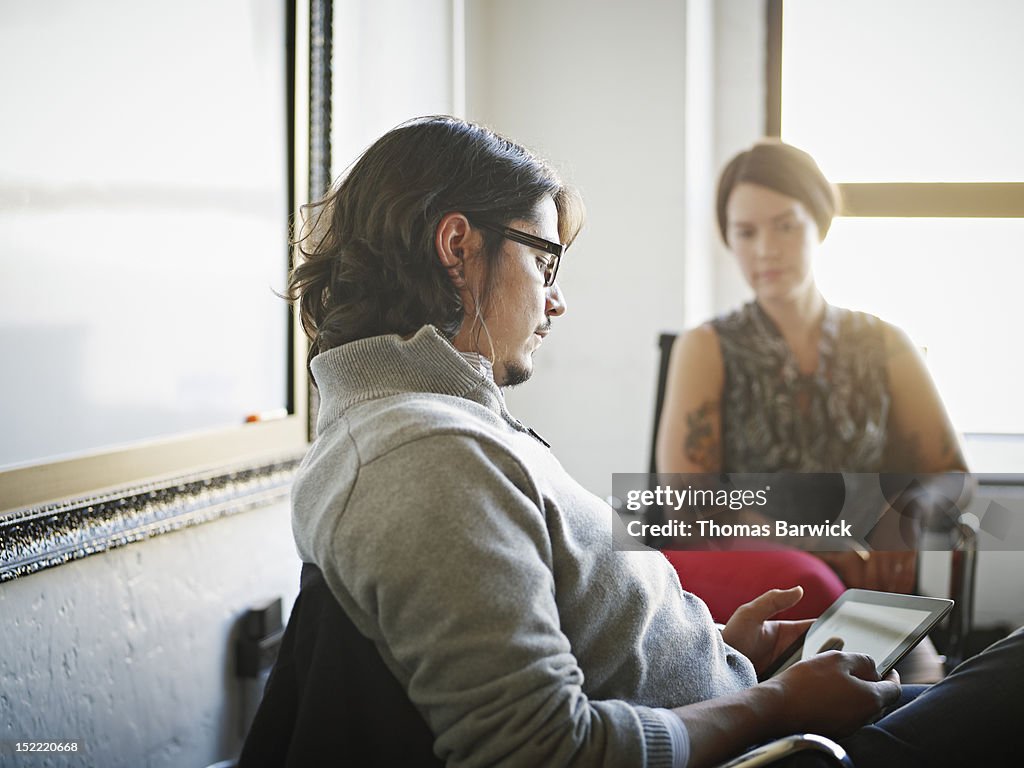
<point x="441" y="555"/>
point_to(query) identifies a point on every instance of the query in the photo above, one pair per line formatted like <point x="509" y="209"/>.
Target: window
<point x="146" y="229"/>
<point x="910" y="108"/>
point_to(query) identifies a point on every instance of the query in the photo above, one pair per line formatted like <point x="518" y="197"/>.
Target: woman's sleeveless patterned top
<point x="775" y="418"/>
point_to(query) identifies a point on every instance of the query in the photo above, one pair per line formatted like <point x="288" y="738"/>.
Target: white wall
<point x="130" y="651"/>
<point x="600" y="90"/>
<point x="739" y="56"/>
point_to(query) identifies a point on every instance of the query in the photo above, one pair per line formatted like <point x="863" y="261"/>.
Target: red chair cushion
<point x="726" y="580"/>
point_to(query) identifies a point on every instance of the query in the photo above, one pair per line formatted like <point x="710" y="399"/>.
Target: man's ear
<point x="452" y="241"/>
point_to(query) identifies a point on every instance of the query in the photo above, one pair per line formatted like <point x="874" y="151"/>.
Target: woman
<point x="789" y="382"/>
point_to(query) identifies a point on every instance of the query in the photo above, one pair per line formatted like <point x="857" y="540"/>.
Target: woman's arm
<point x="921" y="437"/>
<point x="690" y="428"/>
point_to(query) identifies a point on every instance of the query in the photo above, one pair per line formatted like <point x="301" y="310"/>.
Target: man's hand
<point x="833" y="693"/>
<point x="760" y="640"/>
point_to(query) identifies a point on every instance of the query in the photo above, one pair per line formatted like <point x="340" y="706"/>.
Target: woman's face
<point x="774" y="239"/>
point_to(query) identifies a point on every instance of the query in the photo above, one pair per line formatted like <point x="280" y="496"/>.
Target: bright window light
<point x="908" y="91"/>
<point x="954" y="286"/>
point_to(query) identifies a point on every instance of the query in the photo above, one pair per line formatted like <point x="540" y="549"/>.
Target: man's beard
<point x="516" y="374"/>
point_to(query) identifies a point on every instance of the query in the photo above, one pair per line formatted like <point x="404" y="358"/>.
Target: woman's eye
<point x="542" y="264"/>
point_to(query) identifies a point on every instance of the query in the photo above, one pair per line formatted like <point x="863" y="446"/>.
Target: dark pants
<point x="975" y="717"/>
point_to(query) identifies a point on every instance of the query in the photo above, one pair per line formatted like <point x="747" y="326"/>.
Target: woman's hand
<point x="760" y="640"/>
<point x="885" y="571"/>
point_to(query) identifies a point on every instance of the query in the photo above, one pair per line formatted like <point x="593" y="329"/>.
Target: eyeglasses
<point x="555" y="249"/>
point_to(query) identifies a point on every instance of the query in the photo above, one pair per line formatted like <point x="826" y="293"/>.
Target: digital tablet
<point x="883" y="625"/>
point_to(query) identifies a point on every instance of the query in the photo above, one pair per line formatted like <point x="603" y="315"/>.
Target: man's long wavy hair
<point x="368" y="264"/>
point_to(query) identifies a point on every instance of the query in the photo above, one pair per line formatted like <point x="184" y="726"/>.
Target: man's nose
<point x="554" y="300"/>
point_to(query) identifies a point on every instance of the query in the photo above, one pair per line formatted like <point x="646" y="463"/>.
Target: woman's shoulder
<point x="697" y="358"/>
<point x="867" y="328"/>
<point x="697" y="343"/>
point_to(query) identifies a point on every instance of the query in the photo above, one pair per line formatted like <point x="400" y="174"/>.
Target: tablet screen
<point x="883" y="625"/>
<point x="877" y="630"/>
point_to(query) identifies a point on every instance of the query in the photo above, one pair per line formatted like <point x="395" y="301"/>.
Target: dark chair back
<point x="331" y="699"/>
<point x="665" y="342"/>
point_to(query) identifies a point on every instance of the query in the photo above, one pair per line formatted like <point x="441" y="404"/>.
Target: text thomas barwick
<point x="781" y="529"/>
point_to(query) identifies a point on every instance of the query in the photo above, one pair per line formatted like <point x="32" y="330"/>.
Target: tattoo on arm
<point x="702" y="445"/>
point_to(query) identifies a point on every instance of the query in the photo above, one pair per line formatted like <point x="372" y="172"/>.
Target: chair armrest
<point x="780" y="748"/>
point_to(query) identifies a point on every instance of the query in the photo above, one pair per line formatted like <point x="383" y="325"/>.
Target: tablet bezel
<point x="937" y="607"/>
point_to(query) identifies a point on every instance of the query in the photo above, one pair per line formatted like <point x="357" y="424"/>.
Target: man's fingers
<point x="788" y="631"/>
<point x="861" y="666"/>
<point x="773" y="601"/>
<point x="889" y="690"/>
<point x="801" y="625"/>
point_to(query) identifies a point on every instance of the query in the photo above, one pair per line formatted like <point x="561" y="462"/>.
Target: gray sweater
<point x="486" y="576"/>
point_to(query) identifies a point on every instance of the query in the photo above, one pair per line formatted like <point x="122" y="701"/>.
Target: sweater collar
<point x="381" y="366"/>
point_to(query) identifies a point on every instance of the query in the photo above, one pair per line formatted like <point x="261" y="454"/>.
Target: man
<point x="450" y="535"/>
